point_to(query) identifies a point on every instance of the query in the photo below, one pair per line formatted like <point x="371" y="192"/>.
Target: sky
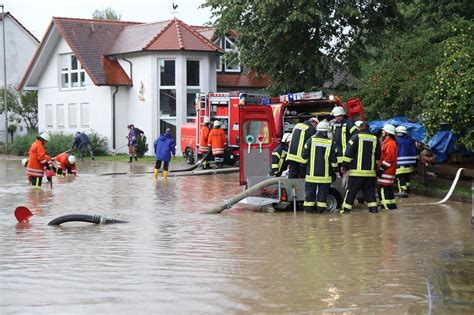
<point x="36" y="15"/>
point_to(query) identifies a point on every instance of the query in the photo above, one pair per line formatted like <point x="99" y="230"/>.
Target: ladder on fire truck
<point x="202" y="111"/>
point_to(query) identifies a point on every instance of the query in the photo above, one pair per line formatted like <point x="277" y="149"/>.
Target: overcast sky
<point x="36" y="15"/>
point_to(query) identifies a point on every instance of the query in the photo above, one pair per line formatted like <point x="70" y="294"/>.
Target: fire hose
<point x="96" y="219"/>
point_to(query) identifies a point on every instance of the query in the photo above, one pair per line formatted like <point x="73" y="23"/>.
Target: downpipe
<point x="96" y="219"/>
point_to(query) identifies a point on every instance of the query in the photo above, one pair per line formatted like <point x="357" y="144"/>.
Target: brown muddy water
<point x="170" y="258"/>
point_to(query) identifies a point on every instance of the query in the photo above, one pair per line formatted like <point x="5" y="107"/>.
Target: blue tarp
<point x="416" y="129"/>
<point x="442" y="144"/>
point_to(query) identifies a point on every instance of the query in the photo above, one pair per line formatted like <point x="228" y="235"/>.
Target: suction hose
<point x="96" y="219"/>
<point x="227" y="204"/>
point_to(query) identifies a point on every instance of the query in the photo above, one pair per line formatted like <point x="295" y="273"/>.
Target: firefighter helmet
<point x="286" y="137"/>
<point x="322" y="126"/>
<point x="390" y="129"/>
<point x="401" y="129"/>
<point x="207" y="120"/>
<point x="338" y="111"/>
<point x="358" y="123"/>
<point x="24" y="162"/>
<point x="44" y="136"/>
<point x="216" y="123"/>
<point x="71" y="159"/>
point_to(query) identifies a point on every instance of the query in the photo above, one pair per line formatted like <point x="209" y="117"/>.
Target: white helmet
<point x="358" y="123"/>
<point x="24" y="162"/>
<point x="286" y="137"/>
<point x="216" y="123"/>
<point x="401" y="129"/>
<point x="389" y="129"/>
<point x="44" y="136"/>
<point x="71" y="159"/>
<point x="338" y="111"/>
<point x="322" y="126"/>
<point x="207" y="120"/>
<point x="313" y="119"/>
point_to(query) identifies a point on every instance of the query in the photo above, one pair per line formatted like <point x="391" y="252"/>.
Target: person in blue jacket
<point x="406" y="160"/>
<point x="82" y="144"/>
<point x="164" y="148"/>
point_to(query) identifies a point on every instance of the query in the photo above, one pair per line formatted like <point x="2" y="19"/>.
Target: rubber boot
<point x="165" y="174"/>
<point x="155" y="173"/>
<point x="136" y="159"/>
<point x="130" y="160"/>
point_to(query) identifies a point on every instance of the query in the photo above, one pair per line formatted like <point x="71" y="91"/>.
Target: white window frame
<point x="167" y="87"/>
<point x="226" y="39"/>
<point x="69" y="72"/>
<point x="219" y="65"/>
<point x="196" y="88"/>
<point x="49" y="116"/>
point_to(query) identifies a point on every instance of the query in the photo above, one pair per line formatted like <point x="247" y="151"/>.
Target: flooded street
<point x="170" y="258"/>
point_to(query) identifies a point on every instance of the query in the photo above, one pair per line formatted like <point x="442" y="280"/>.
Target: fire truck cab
<point x="262" y="127"/>
<point x="222" y="106"/>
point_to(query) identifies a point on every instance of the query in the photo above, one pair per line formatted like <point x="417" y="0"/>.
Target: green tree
<point x="298" y="42"/>
<point x="22" y="106"/>
<point x="450" y="98"/>
<point x="106" y="14"/>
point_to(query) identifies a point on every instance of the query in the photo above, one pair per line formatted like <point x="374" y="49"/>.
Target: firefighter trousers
<point x="404" y="182"/>
<point x="296" y="169"/>
<point x="387" y="197"/>
<point x="205" y="163"/>
<point x="316" y="197"/>
<point x="36" y="181"/>
<point x="367" y="185"/>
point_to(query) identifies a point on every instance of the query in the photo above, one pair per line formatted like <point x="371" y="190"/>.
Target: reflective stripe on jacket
<point x="279" y="163"/>
<point x="203" y="148"/>
<point x="301" y="133"/>
<point x="36" y="160"/>
<point x="362" y="154"/>
<point x="217" y="141"/>
<point x="321" y="155"/>
<point x="406" y="159"/>
<point x="388" y="162"/>
<point x="342" y="133"/>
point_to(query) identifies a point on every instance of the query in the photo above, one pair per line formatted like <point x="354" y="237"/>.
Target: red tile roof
<point x="242" y="80"/>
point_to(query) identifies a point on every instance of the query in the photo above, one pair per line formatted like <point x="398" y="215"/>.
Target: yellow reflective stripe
<point x="309" y="203"/>
<point x="346" y="159"/>
<point x="398" y="184"/>
<point x="312" y="158"/>
<point x="275" y="166"/>
<point x="276" y="154"/>
<point x="371" y="204"/>
<point x="334" y="164"/>
<point x="326" y="159"/>
<point x="352" y="129"/>
<point x="346" y="205"/>
<point x="321" y="204"/>
<point x="318" y="179"/>
<point x="363" y="173"/>
<point x="351" y="142"/>
<point x="359" y="155"/>
<point x="382" y="197"/>
<point x="390" y="201"/>
<point x="404" y="170"/>
<point x="343" y="135"/>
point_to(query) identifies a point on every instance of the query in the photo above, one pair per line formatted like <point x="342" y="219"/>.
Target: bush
<point x="98" y="142"/>
<point x="142" y="146"/>
<point x="21" y="144"/>
<point x="59" y="143"/>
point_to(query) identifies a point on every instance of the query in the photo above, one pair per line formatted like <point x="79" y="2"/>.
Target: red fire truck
<point x="222" y="106"/>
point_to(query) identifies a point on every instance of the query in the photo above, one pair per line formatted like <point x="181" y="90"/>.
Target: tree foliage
<point x="298" y="43"/>
<point x="106" y="14"/>
<point x="22" y="106"/>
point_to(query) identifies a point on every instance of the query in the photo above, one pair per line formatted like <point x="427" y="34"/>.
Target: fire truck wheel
<point x="334" y="202"/>
<point x="189" y="155"/>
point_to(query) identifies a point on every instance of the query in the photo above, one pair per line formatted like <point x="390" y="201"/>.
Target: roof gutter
<point x="113" y="117"/>
<point x="131" y="69"/>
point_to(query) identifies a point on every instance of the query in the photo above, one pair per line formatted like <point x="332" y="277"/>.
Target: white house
<point x="20" y="45"/>
<point x="103" y="75"/>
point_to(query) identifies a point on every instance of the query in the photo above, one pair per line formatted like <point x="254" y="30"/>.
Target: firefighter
<point x="342" y="131"/>
<point x="357" y="124"/>
<point x="65" y="164"/>
<point x="360" y="159"/>
<point x="37" y="161"/>
<point x="217" y="142"/>
<point x="203" y="148"/>
<point x="49" y="173"/>
<point x="406" y="160"/>
<point x="320" y="152"/>
<point x="300" y="135"/>
<point x="387" y="167"/>
<point x="279" y="162"/>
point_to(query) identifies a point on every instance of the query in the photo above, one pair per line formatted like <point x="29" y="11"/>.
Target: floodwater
<point x="171" y="258"/>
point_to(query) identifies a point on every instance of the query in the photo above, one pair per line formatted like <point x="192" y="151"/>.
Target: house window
<point x="190" y="106"/>
<point x="60" y="115"/>
<point x="167" y="88"/>
<point x="85" y="115"/>
<point x="72" y="73"/>
<point x="72" y="116"/>
<point x="230" y="48"/>
<point x="192" y="72"/>
<point x="49" y="116"/>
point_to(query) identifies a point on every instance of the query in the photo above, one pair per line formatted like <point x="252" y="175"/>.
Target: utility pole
<point x="5" y="91"/>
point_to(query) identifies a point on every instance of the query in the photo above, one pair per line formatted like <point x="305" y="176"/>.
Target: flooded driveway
<point x="171" y="258"/>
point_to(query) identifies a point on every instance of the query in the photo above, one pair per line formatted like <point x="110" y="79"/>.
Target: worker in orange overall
<point x="217" y="142"/>
<point x="387" y="167"/>
<point x="65" y="164"/>
<point x="49" y="173"/>
<point x="37" y="161"/>
<point x="203" y="148"/>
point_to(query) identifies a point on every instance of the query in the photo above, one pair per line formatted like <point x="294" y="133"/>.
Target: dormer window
<point x="72" y="74"/>
<point x="230" y="48"/>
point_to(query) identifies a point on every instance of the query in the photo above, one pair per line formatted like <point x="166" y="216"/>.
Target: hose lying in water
<point x="96" y="219"/>
<point x="227" y="204"/>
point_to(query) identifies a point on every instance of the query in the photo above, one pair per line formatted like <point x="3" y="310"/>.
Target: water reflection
<point x="172" y="259"/>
